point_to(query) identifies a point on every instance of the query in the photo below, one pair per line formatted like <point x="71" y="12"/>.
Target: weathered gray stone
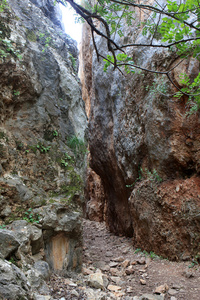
<point x="95" y="280"/>
<point x="6" y="211"/>
<point x="37" y="282"/>
<point x="24" y="193"/>
<point x="13" y="284"/>
<point x="22" y="230"/>
<point x="43" y="268"/>
<point x="59" y="218"/>
<point x="41" y="110"/>
<point x="8" y="242"/>
<point x="36" y="238"/>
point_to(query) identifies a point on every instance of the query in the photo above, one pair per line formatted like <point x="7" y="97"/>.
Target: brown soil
<point x="101" y="249"/>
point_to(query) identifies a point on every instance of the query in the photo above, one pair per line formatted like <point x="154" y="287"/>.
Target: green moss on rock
<point x="31" y="36"/>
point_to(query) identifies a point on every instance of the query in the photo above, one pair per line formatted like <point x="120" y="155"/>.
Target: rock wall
<point x="42" y="135"/>
<point x="145" y="149"/>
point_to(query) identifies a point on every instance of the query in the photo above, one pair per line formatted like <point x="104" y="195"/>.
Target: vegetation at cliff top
<point x="3" y="4"/>
<point x="171" y="24"/>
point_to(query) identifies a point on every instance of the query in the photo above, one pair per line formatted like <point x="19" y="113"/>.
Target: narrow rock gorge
<point x="79" y="143"/>
<point x="144" y="149"/>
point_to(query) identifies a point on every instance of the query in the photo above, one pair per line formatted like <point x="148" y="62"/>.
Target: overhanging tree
<point x="174" y="25"/>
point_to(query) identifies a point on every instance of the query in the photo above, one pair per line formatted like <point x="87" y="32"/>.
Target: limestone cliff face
<point x="42" y="125"/>
<point x="139" y="138"/>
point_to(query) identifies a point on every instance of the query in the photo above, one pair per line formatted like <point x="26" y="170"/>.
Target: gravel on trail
<point x="114" y="269"/>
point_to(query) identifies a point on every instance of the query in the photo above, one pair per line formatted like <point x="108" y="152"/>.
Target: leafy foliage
<point x="173" y="24"/>
<point x="42" y="148"/>
<point x="146" y="174"/>
<point x="78" y="146"/>
<point x="3" y="5"/>
<point x="30" y="217"/>
<point x="7" y="49"/>
<point x="193" y="89"/>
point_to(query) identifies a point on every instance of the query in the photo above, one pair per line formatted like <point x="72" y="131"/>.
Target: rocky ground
<point x="113" y="269"/>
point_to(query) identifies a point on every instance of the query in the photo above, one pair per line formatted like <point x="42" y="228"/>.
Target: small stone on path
<point x="172" y="292"/>
<point x="86" y="271"/>
<point x="141" y="261"/>
<point x="96" y="280"/>
<point x="130" y="270"/>
<point x="115" y="272"/>
<point x="188" y="274"/>
<point x="115" y="279"/>
<point x="125" y="263"/>
<point x="75" y="293"/>
<point x="143" y="282"/>
<point x="161" y="289"/>
<point x="129" y="289"/>
<point x="125" y="251"/>
<point x="109" y="254"/>
<point x="113" y="264"/>
<point x="119" y="259"/>
<point x="114" y="287"/>
<point x="70" y="283"/>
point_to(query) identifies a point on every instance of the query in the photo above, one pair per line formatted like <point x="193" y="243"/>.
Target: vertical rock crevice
<point x="140" y="143"/>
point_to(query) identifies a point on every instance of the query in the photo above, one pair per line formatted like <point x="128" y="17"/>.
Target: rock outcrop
<point x="42" y="147"/>
<point x="145" y="148"/>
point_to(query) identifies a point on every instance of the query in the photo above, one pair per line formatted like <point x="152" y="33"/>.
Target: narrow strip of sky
<point x="71" y="27"/>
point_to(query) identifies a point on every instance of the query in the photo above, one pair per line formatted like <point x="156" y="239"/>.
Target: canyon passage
<point x="99" y="170"/>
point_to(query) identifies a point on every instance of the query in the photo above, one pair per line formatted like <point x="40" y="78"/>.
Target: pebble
<point x="115" y="272"/>
<point x="109" y="254"/>
<point x="176" y="286"/>
<point x="143" y="282"/>
<point x="75" y="293"/>
<point x="125" y="251"/>
<point x="125" y="263"/>
<point x="114" y="287"/>
<point x="70" y="283"/>
<point x="147" y="262"/>
<point x="115" y="279"/>
<point x="188" y="274"/>
<point x="96" y="281"/>
<point x="172" y="292"/>
<point x="113" y="264"/>
<point x="141" y="261"/>
<point x="129" y="289"/>
<point x="130" y="270"/>
<point x="119" y="259"/>
<point x="142" y="270"/>
<point x="161" y="289"/>
<point x="86" y="271"/>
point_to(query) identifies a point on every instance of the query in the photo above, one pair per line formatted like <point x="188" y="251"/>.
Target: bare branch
<point x="161" y="45"/>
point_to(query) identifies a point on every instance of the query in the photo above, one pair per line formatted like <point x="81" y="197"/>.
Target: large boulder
<point x="62" y="235"/>
<point x="8" y="242"/>
<point x="13" y="283"/>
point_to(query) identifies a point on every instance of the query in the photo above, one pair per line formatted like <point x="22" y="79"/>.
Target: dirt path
<point x="128" y="275"/>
